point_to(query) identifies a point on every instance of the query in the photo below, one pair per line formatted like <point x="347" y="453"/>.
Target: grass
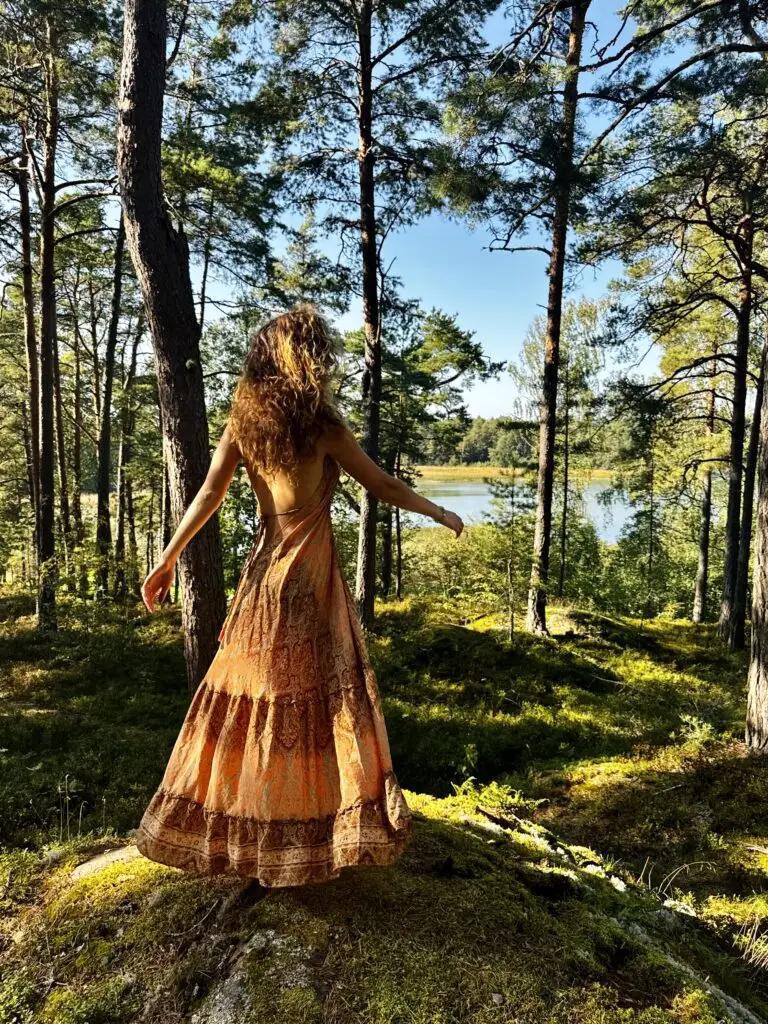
<point x="590" y="843"/>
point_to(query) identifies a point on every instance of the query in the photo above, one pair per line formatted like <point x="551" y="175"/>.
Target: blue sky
<point x="445" y="264"/>
<point x="495" y="294"/>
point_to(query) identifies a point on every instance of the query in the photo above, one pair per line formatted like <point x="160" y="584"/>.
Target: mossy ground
<point x="614" y="871"/>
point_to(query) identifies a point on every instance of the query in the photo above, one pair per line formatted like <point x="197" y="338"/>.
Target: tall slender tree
<point x="373" y="72"/>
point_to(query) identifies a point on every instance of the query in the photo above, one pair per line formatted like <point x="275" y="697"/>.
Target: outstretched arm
<point x="206" y="501"/>
<point x="342" y="445"/>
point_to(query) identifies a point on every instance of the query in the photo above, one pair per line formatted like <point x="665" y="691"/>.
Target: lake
<point x="471" y="499"/>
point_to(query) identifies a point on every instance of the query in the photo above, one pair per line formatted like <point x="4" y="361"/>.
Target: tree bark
<point x="537" y="594"/>
<point x="161" y="259"/>
<point x="566" y="466"/>
<point x="126" y="568"/>
<point x="735" y="468"/>
<point x="756" y="732"/>
<point x="77" y="469"/>
<point x="737" y="635"/>
<point x="47" y="569"/>
<point x="103" y="472"/>
<point x="398" y="541"/>
<point x="365" y="582"/>
<point x="207" y="248"/>
<point x="95" y="351"/>
<point x="27" y="438"/>
<point x="386" y="553"/>
<point x="702" y="571"/>
<point x="30" y="340"/>
<point x="61" y="450"/>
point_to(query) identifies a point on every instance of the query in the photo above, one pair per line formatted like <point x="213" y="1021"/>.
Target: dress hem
<point x="181" y="833"/>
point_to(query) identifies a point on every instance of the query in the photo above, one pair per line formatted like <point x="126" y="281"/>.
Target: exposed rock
<point x="123" y="855"/>
<point x="281" y="959"/>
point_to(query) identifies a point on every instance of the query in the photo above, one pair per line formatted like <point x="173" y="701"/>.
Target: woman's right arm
<point x="342" y="445"/>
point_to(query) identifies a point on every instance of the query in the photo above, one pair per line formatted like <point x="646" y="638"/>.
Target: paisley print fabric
<point x="282" y="769"/>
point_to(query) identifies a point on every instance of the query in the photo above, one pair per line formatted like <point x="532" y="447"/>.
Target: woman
<point x="282" y="770"/>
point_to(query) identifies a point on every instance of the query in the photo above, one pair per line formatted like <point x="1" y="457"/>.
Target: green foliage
<point x="602" y="747"/>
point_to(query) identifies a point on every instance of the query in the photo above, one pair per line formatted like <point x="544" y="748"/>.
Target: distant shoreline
<point x="479" y="471"/>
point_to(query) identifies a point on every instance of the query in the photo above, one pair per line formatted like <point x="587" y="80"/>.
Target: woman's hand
<point x="453" y="522"/>
<point x="156" y="586"/>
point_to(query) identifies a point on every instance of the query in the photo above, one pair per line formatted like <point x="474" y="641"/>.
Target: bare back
<point x="281" y="493"/>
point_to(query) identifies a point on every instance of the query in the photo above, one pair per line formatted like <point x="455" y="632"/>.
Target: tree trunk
<point x="165" y="509"/>
<point x="736" y="634"/>
<point x="735" y="468"/>
<point x="398" y="544"/>
<point x="537" y="595"/>
<point x="95" y="351"/>
<point x="161" y="259"/>
<point x="46" y="595"/>
<point x="27" y="437"/>
<point x="756" y="733"/>
<point x="77" y="470"/>
<point x="150" y="545"/>
<point x="702" y="572"/>
<point x="126" y="569"/>
<point x="386" y="553"/>
<point x="566" y="462"/>
<point x="365" y="583"/>
<point x="103" y="473"/>
<point x="206" y="262"/>
<point x="30" y="340"/>
<point x="651" y="533"/>
<point x="61" y="450"/>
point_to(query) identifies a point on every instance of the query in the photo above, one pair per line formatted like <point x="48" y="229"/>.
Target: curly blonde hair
<point x="283" y="401"/>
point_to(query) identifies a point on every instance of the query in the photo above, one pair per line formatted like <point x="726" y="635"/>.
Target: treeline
<point x="173" y="173"/>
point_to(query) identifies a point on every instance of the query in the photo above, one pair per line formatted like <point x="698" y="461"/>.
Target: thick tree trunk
<point x="737" y="632"/>
<point x="735" y="468"/>
<point x="702" y="571"/>
<point x="537" y="595"/>
<point x="161" y="260"/>
<point x="365" y="583"/>
<point x="103" y="473"/>
<point x="756" y="733"/>
<point x="48" y="575"/>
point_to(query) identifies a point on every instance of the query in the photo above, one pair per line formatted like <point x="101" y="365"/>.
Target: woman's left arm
<point x="223" y="465"/>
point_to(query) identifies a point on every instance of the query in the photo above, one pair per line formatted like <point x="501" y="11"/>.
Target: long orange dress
<point x="282" y="769"/>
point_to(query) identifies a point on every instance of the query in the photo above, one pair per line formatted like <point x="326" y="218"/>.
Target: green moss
<point x="604" y="760"/>
<point x="103" y="1003"/>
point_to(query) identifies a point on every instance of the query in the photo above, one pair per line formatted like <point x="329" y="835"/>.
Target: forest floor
<point x="590" y="841"/>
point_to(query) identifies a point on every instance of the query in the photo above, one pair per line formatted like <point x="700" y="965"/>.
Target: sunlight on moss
<point x="587" y="842"/>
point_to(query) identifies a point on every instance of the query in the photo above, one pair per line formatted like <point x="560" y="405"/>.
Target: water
<point x="471" y="499"/>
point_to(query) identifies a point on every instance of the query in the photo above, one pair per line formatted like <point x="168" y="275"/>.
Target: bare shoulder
<point x="336" y="437"/>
